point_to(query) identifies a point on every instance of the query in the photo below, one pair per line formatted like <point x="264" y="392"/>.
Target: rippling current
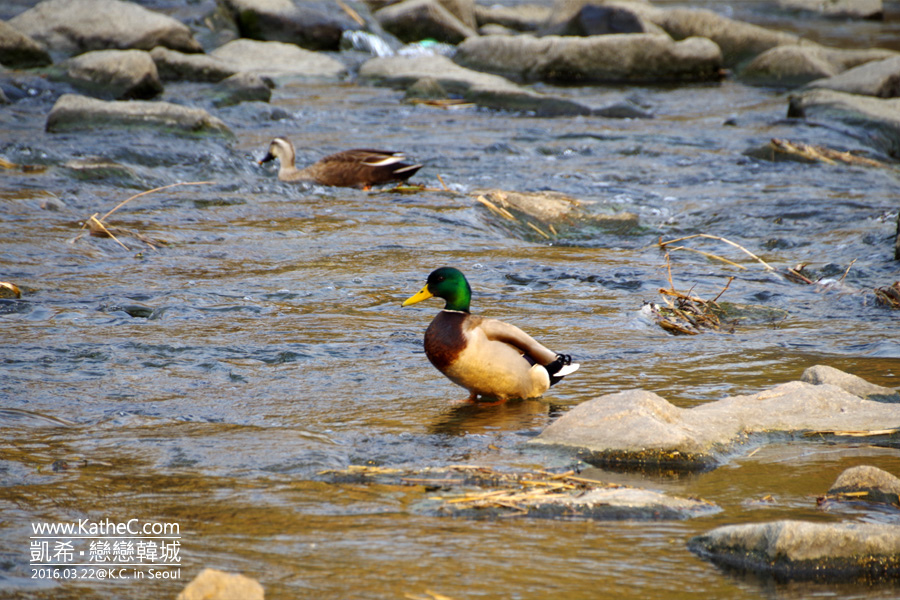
<point x="209" y="381"/>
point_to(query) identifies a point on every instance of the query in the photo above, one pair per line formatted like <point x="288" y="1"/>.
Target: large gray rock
<point x="739" y="41"/>
<point x="866" y="484"/>
<point x="18" y="51"/>
<point x="414" y="20"/>
<point x="212" y="584"/>
<point x="839" y="9"/>
<point x="310" y="24"/>
<point x="71" y="27"/>
<point x="641" y="428"/>
<point x="486" y="90"/>
<point x="880" y="78"/>
<point x="178" y="66"/>
<point x="632" y="58"/>
<point x="117" y="74"/>
<point x="794" y="65"/>
<point x="823" y="374"/>
<point x="802" y="550"/>
<point x="876" y="121"/>
<point x="78" y="113"/>
<point x="278" y="60"/>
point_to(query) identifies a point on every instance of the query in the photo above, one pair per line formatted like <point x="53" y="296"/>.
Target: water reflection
<point x="487" y="417"/>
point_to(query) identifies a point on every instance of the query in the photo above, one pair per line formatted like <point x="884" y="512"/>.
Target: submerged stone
<point x="481" y="492"/>
<point x="874" y="120"/>
<point x="798" y="550"/>
<point x="613" y="504"/>
<point x="822" y="374"/>
<point x="880" y="78"/>
<point x="96" y="168"/>
<point x="80" y="113"/>
<point x="490" y="91"/>
<point x="865" y="484"/>
<point x="637" y="428"/>
<point x="549" y="215"/>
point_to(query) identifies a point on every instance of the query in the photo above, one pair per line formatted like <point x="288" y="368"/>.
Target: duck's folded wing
<point x="510" y="334"/>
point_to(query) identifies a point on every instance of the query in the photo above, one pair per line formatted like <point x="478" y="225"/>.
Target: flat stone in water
<point x="481" y="492"/>
<point x="549" y="215"/>
<point x="807" y="551"/>
<point x="640" y="428"/>
<point x="79" y="113"/>
<point x="865" y="484"/>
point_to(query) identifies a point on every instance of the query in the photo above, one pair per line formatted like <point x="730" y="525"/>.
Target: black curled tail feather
<point x="553" y="368"/>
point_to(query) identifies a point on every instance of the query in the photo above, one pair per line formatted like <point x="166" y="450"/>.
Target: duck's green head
<point x="447" y="283"/>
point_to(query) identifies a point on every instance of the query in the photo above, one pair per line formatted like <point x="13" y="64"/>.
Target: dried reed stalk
<point x="768" y="267"/>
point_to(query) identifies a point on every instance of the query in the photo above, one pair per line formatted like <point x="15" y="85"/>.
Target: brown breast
<point x="445" y="338"/>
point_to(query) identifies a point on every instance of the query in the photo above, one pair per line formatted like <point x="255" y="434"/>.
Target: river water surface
<point x="210" y="381"/>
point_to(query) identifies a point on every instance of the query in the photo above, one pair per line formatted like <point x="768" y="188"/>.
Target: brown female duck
<point x="350" y="168"/>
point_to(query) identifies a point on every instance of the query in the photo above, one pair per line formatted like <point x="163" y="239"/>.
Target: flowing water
<point x="209" y="382"/>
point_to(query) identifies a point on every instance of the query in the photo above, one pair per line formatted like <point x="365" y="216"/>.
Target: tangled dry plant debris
<point x="690" y="315"/>
<point x="821" y="154"/>
<point x="515" y="493"/>
<point x="889" y="296"/>
<point x="98" y="228"/>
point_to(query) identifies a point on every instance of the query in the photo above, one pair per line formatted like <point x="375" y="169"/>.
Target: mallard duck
<point x="350" y="168"/>
<point x="490" y="358"/>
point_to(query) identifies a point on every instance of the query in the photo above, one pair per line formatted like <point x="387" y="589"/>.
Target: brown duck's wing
<point x="510" y="334"/>
<point x="362" y="167"/>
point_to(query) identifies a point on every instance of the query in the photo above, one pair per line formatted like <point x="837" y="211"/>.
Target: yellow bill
<point x="423" y="294"/>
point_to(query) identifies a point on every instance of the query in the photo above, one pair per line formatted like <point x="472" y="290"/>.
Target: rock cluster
<point x="637" y="427"/>
<point x="576" y="41"/>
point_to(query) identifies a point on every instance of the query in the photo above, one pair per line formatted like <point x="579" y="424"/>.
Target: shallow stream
<point x="208" y="382"/>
